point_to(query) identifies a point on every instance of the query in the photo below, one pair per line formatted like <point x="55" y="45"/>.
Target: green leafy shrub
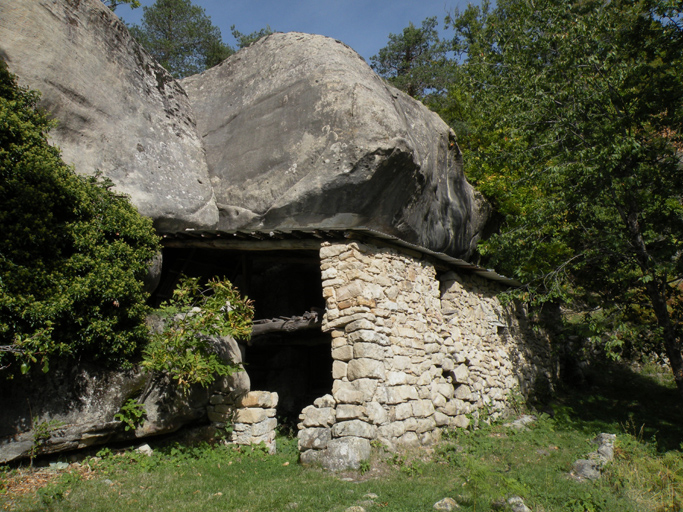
<point x="132" y="414"/>
<point x="73" y="253"/>
<point x="42" y="432"/>
<point x="196" y="314"/>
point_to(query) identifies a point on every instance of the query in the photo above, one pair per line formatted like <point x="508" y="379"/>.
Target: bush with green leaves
<point x="132" y="414"/>
<point x="195" y="315"/>
<point x="73" y="252"/>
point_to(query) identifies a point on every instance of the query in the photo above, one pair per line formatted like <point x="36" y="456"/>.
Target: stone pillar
<point x="251" y="415"/>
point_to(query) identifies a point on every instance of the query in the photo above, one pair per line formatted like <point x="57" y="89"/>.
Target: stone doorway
<point x="288" y="353"/>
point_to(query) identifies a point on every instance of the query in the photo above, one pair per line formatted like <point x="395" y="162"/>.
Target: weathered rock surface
<point x="83" y="401"/>
<point x="300" y="132"/>
<point x="591" y="468"/>
<point x="118" y="111"/>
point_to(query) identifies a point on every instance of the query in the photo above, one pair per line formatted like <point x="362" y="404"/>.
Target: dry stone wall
<point x="413" y="353"/>
<point x="251" y="416"/>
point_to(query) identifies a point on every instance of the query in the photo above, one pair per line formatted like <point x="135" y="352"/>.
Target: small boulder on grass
<point x="591" y="468"/>
<point x="521" y="423"/>
<point x="517" y="504"/>
<point x="446" y="504"/>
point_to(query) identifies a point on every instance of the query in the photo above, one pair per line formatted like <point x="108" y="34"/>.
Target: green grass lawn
<point x="479" y="468"/>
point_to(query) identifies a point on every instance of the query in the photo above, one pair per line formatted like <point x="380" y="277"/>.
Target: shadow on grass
<point x="616" y="399"/>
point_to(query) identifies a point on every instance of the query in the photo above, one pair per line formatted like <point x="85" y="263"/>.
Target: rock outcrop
<point x="118" y="111"/>
<point x="76" y="405"/>
<point x="300" y="132"/>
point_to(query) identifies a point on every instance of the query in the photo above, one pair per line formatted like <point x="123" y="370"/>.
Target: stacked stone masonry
<point x="251" y="415"/>
<point x="414" y="352"/>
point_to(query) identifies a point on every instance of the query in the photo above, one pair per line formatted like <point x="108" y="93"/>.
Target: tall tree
<point x="582" y="154"/>
<point x="415" y="60"/>
<point x="181" y="37"/>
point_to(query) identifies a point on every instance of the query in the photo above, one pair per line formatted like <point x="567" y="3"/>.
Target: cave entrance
<point x="288" y="353"/>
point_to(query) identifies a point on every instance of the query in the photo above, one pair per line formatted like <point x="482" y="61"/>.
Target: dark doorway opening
<point x="295" y="362"/>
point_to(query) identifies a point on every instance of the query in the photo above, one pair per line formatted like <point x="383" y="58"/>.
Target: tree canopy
<point x="244" y="40"/>
<point x="73" y="252"/>
<point x="181" y="37"/>
<point x="578" y="143"/>
<point x="415" y="60"/>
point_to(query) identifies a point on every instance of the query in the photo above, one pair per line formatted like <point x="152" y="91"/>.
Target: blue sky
<point x="364" y="25"/>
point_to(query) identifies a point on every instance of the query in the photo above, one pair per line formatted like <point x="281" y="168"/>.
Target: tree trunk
<point x="670" y="335"/>
<point x="656" y="291"/>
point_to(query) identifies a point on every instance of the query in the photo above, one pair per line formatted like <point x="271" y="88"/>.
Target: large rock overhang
<point x="300" y="132"/>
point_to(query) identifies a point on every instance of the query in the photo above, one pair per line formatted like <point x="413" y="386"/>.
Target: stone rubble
<point x="517" y="504"/>
<point x="591" y="468"/>
<point x="446" y="504"/>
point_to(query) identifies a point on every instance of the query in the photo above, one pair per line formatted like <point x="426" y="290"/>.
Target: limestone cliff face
<point x="118" y="111"/>
<point x="300" y="132"/>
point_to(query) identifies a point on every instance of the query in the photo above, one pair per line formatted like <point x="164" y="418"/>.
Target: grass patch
<point x="479" y="469"/>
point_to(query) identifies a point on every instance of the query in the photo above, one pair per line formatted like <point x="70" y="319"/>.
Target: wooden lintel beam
<point x="286" y="325"/>
<point x="243" y="245"/>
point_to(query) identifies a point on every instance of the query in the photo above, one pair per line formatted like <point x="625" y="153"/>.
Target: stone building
<point x="335" y="201"/>
<point x="371" y="338"/>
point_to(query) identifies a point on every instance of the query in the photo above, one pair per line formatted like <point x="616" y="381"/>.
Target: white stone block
<point x="441" y="419"/>
<point x="349" y="412"/>
<point x="343" y="353"/>
<point x="365" y="368"/>
<point x="369" y="350"/>
<point x="355" y="428"/>
<point x="425" y="424"/>
<point x="396" y="378"/>
<point x="263" y="399"/>
<point x="339" y="370"/>
<point x="422" y="408"/>
<point x="400" y="394"/>
<point x="367" y="387"/>
<point x="346" y="393"/>
<point x="376" y="413"/>
<point x="403" y="411"/>
<point x="357" y="325"/>
<point x="461" y="421"/>
<point x="268" y="425"/>
<point x="409" y="439"/>
<point x="324" y="401"/>
<point x="314" y="438"/>
<point x="250" y="415"/>
<point x="318" y="417"/>
<point x="461" y="374"/>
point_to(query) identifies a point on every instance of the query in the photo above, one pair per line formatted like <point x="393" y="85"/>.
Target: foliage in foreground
<point x="195" y="314"/>
<point x="479" y="468"/>
<point x="73" y="253"/>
